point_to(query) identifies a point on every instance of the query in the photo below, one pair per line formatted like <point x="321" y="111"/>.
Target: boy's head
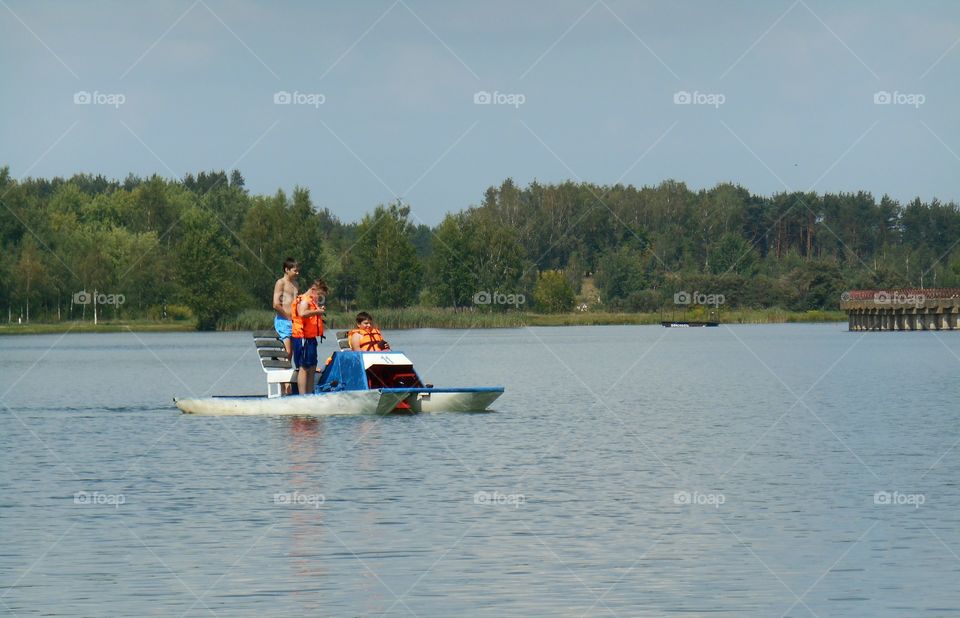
<point x="319" y="287"/>
<point x="291" y="266"/>
<point x="364" y="319"/>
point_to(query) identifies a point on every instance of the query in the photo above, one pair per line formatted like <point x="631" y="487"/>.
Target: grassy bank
<point x="118" y="326"/>
<point x="420" y="317"/>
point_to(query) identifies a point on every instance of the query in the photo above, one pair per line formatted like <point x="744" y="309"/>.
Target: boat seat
<point x="274" y="361"/>
<point x="343" y="339"/>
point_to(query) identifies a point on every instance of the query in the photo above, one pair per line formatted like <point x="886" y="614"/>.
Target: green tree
<point x="7" y="261"/>
<point x="620" y="273"/>
<point x="732" y="254"/>
<point x="205" y="267"/>
<point x="304" y="234"/>
<point x="388" y="271"/>
<point x="553" y="293"/>
<point x="262" y="237"/>
<point x="31" y="273"/>
<point x="474" y="252"/>
<point x="819" y="284"/>
<point x="496" y="256"/>
<point x="451" y="275"/>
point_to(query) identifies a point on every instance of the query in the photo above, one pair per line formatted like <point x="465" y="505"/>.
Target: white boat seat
<point x="274" y="362"/>
<point x="343" y="339"/>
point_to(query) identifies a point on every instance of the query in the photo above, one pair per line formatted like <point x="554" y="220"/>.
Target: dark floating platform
<point x="687" y="324"/>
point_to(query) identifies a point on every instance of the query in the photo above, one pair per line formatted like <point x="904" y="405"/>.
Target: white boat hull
<point x="345" y="402"/>
<point x="451" y="402"/>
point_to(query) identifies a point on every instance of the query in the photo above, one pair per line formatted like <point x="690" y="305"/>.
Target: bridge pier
<point x="902" y="310"/>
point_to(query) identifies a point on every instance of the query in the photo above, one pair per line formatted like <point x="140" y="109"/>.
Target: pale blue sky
<point x="599" y="79"/>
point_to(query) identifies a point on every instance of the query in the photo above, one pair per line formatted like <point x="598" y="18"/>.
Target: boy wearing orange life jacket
<point x="307" y="317"/>
<point x="366" y="337"/>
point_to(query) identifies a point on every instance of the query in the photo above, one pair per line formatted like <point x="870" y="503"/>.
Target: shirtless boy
<point x="284" y="291"/>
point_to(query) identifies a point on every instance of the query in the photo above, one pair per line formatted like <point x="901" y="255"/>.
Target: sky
<point x="365" y="102"/>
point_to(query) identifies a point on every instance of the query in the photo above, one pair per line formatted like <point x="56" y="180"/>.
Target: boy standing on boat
<point x="284" y="291"/>
<point x="307" y="325"/>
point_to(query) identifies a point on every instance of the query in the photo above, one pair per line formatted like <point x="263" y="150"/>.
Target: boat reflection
<point x="319" y="467"/>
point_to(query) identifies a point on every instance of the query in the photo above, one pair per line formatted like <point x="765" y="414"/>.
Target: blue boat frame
<point x="346" y="372"/>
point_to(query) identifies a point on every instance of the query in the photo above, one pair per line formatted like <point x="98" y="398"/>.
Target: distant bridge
<point x="902" y="309"/>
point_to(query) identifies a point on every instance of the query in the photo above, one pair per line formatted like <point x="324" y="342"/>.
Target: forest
<point x="203" y="246"/>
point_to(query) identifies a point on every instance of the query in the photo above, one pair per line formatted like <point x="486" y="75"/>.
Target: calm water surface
<point x="636" y="471"/>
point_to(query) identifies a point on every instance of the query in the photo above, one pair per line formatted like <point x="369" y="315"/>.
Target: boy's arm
<point x="306" y="313"/>
<point x="277" y="298"/>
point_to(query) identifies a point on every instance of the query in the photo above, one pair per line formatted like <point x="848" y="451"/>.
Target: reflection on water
<point x="788" y="470"/>
<point x="306" y="530"/>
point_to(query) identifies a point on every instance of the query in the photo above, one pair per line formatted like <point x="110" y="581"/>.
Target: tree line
<point x="206" y="246"/>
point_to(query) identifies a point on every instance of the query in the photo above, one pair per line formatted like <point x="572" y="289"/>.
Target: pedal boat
<point x="352" y="383"/>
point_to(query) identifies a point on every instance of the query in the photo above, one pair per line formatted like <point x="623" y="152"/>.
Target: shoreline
<point x="120" y="326"/>
<point x="406" y="319"/>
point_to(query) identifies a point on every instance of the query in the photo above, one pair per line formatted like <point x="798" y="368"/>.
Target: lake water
<point x="636" y="471"/>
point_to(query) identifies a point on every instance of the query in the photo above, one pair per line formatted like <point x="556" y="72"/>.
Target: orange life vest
<point x="309" y="327"/>
<point x="371" y="340"/>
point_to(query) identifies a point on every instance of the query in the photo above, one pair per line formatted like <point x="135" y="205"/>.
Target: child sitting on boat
<point x="366" y="337"/>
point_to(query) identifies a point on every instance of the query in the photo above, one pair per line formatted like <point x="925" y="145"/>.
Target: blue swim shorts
<point x="283" y="326"/>
<point x="304" y="352"/>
